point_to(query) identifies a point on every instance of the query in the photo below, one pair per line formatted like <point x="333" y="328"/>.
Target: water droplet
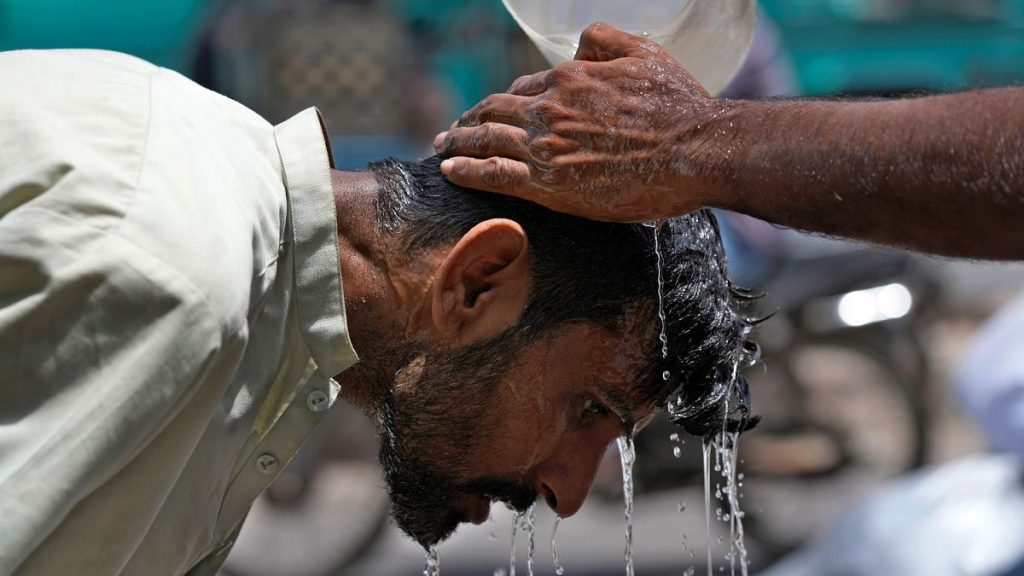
<point x="682" y="508"/>
<point x="554" y="548"/>
<point x="433" y="567"/>
<point x="674" y="437"/>
<point x="666" y="375"/>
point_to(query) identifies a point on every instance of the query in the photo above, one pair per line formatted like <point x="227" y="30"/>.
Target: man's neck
<point x="384" y="293"/>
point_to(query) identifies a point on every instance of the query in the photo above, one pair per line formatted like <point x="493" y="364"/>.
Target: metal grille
<point x="351" y="61"/>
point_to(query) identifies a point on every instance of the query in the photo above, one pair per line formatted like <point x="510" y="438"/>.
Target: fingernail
<point x="446" y="166"/>
<point x="439" y="140"/>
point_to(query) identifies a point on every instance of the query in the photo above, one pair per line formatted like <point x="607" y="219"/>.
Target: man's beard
<point x="431" y="423"/>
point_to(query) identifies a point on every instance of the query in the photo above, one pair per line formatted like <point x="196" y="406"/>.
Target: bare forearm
<point x="942" y="174"/>
<point x="624" y="133"/>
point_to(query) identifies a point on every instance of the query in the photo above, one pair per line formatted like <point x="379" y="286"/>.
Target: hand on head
<point x="605" y="136"/>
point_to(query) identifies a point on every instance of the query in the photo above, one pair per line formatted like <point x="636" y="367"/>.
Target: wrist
<point x="711" y="153"/>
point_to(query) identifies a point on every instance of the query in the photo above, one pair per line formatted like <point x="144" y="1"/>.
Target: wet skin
<point x="623" y="133"/>
<point x="562" y="405"/>
<point x="539" y="429"/>
<point x="458" y="441"/>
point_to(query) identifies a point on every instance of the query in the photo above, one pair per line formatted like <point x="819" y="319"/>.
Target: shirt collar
<point x="306" y="159"/>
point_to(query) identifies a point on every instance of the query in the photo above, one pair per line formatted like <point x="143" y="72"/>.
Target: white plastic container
<point x="709" y="37"/>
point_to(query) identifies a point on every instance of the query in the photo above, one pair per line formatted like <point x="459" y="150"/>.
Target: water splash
<point x="627" y="454"/>
<point x="433" y="567"/>
<point x="531" y="525"/>
<point x="726" y="456"/>
<point x="729" y="449"/>
<point x="554" y="548"/>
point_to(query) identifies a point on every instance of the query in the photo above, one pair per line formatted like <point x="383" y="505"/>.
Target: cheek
<point x="530" y="431"/>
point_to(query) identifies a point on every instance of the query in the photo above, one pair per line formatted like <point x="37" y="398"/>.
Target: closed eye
<point x="592" y="406"/>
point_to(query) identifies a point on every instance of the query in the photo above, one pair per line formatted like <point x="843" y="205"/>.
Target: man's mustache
<point x="515" y="495"/>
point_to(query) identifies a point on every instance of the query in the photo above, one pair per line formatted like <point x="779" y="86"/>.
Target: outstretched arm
<point x="624" y="133"/>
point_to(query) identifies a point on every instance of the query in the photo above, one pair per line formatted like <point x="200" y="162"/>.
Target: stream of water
<point x="517" y="521"/>
<point x="628" y="457"/>
<point x="554" y="548"/>
<point x="531" y="526"/>
<point x="433" y="567"/>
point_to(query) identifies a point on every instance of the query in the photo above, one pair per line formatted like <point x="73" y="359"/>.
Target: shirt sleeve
<point x="101" y="344"/>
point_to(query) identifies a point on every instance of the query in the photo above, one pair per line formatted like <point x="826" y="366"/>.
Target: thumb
<point x="601" y="42"/>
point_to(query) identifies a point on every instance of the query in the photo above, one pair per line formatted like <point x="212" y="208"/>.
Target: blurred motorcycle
<point x="842" y="388"/>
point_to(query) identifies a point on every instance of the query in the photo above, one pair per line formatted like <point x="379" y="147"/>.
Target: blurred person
<point x="991" y="381"/>
<point x="186" y="289"/>
<point x="623" y="133"/>
<point x="962" y="517"/>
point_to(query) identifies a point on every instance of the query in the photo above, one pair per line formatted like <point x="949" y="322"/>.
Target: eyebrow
<point x="620" y="406"/>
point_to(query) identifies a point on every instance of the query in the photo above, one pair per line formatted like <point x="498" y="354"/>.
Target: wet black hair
<point x="595" y="271"/>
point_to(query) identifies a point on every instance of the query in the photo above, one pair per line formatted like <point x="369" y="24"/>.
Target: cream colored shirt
<point x="171" y="312"/>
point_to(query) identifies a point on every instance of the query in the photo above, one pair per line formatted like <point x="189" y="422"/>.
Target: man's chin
<point x="429" y="531"/>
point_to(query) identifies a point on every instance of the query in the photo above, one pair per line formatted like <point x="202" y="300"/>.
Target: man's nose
<point x="565" y="479"/>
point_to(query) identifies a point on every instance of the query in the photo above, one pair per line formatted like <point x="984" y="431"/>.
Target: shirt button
<point x="317" y="401"/>
<point x="266" y="463"/>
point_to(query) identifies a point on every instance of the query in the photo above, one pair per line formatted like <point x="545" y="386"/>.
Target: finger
<point x="531" y="84"/>
<point x="504" y="108"/>
<point x="601" y="42"/>
<point x="486" y="140"/>
<point x="494" y="174"/>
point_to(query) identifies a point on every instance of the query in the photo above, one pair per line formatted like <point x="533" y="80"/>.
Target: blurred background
<point x="891" y="386"/>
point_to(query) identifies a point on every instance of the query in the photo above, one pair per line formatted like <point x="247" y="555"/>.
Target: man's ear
<point x="483" y="284"/>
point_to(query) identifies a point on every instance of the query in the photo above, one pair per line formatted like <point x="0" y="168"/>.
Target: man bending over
<point x="186" y="289"/>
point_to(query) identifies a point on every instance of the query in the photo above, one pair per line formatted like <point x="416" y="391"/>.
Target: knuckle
<point x="491" y="173"/>
<point x="488" y="104"/>
<point x="491" y="135"/>
<point x="467" y="118"/>
<point x="590" y="33"/>
<point x="543" y="110"/>
<point x="451" y="140"/>
<point x="564" y="72"/>
<point x="519" y="82"/>
<point x="544" y="147"/>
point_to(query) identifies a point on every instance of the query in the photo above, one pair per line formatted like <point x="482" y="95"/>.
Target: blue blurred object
<point x="159" y="31"/>
<point x="355" y="151"/>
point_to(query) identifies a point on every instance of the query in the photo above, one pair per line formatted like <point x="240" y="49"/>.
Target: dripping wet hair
<point x="587" y="271"/>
